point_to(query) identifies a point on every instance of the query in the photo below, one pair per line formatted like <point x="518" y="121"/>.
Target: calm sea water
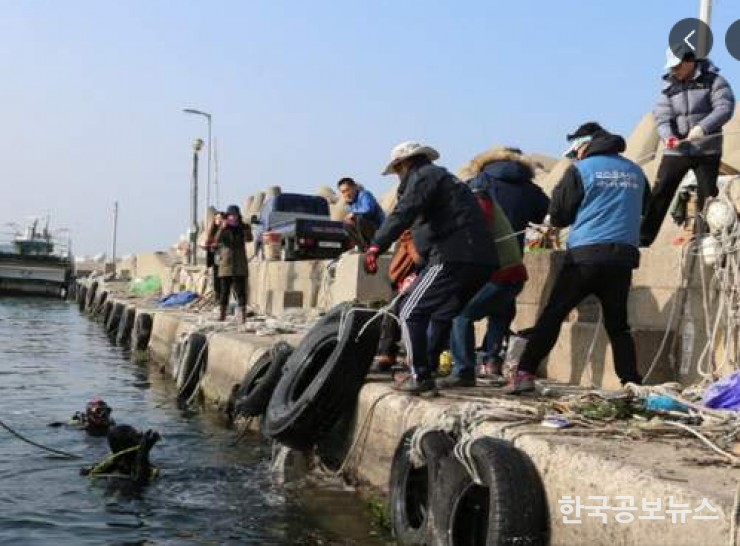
<point x="52" y="360"/>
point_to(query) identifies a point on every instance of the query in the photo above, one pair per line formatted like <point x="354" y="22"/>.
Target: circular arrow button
<point x="691" y="35"/>
<point x="732" y="39"/>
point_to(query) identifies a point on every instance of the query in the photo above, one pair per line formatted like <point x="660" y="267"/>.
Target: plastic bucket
<point x="271" y="242"/>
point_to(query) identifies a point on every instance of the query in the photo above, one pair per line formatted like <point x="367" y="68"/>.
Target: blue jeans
<point x="490" y="301"/>
<point x="497" y="332"/>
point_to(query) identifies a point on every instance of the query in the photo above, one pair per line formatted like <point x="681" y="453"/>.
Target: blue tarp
<point x="725" y="393"/>
<point x="177" y="299"/>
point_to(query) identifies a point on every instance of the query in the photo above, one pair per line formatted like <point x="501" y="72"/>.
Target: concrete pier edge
<point x="571" y="465"/>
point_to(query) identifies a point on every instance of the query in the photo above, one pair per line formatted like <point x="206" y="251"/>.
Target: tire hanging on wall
<point x="259" y="382"/>
<point x="104" y="313"/>
<point x="125" y="326"/>
<point x="91" y="293"/>
<point x="323" y="377"/>
<point x="142" y="331"/>
<point x="411" y="489"/>
<point x="192" y="360"/>
<point x="100" y="300"/>
<point x="111" y="325"/>
<point x="509" y="508"/>
<point x="81" y="297"/>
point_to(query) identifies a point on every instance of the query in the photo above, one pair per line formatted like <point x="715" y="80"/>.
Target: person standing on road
<point x="459" y="257"/>
<point x="231" y="238"/>
<point x="601" y="196"/>
<point x="694" y="105"/>
<point x="365" y="214"/>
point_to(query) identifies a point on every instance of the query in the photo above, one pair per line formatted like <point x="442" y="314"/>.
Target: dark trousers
<point x="239" y="284"/>
<point x="434" y="299"/>
<point x="390" y="333"/>
<point x="361" y="231"/>
<point x="611" y="285"/>
<point x="672" y="170"/>
<point x="216" y="282"/>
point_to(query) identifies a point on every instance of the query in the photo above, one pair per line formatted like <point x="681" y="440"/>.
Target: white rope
<point x="732" y="458"/>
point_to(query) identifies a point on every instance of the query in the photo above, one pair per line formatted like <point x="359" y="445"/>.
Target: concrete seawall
<point x="573" y="463"/>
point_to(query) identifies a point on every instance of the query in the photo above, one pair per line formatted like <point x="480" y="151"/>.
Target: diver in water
<point x="128" y="462"/>
<point x="95" y="420"/>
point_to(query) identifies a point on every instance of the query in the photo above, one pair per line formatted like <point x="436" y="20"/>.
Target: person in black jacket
<point x="507" y="177"/>
<point x="450" y="232"/>
<point x="602" y="196"/>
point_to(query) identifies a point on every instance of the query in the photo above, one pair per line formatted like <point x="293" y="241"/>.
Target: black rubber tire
<point x="125" y="326"/>
<point x="142" y="332"/>
<point x="259" y="382"/>
<point x="111" y="325"/>
<point x="97" y="304"/>
<point x="411" y="489"/>
<point x="322" y="378"/>
<point x="92" y="291"/>
<point x="104" y="313"/>
<point x="193" y="358"/>
<point x="511" y="507"/>
<point x="81" y="297"/>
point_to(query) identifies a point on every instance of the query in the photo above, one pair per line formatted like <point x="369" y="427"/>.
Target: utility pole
<point x="209" y="119"/>
<point x="705" y="14"/>
<point x="197" y="146"/>
<point x="115" y="235"/>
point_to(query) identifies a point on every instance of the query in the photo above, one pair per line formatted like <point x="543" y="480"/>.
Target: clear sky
<point x="301" y="92"/>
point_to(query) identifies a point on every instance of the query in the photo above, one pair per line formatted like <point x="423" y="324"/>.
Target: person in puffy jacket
<point x="694" y="105"/>
<point x="507" y="177"/>
<point x="601" y="197"/>
<point x="451" y="235"/>
<point x="493" y="299"/>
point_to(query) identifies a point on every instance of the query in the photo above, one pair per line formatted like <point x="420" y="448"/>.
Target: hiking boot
<point x="454" y="381"/>
<point x="520" y="382"/>
<point x="412" y="385"/>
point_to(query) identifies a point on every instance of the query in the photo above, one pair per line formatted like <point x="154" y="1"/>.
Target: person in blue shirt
<point x="602" y="197"/>
<point x="365" y="215"/>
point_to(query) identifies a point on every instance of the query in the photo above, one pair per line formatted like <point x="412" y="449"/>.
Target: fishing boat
<point x="33" y="262"/>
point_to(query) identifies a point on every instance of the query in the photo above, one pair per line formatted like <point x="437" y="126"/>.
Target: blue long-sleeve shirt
<point x="366" y="205"/>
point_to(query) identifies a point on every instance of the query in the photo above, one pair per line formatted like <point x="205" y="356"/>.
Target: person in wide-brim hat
<point x="406" y="150"/>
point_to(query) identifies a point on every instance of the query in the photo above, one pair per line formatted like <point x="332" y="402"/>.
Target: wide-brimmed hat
<point x="407" y="149"/>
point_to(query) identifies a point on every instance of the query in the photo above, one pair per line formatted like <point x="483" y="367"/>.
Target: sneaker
<point x="412" y="385"/>
<point x="521" y="382"/>
<point x="454" y="381"/>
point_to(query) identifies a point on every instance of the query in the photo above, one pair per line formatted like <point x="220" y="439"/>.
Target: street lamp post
<point x="210" y="147"/>
<point x="197" y="146"/>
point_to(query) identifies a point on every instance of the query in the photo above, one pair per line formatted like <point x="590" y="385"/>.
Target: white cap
<point x="407" y="149"/>
<point x="675" y="55"/>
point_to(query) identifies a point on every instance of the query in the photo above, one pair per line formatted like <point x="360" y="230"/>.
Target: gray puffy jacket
<point x="706" y="99"/>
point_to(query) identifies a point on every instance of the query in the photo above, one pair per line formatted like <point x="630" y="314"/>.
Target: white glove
<point x="696" y="133"/>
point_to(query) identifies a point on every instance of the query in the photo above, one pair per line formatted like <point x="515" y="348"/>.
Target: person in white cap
<point x="694" y="105"/>
<point x="450" y="232"/>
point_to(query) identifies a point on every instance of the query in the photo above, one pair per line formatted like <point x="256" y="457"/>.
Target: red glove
<point x="672" y="142"/>
<point x="371" y="260"/>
